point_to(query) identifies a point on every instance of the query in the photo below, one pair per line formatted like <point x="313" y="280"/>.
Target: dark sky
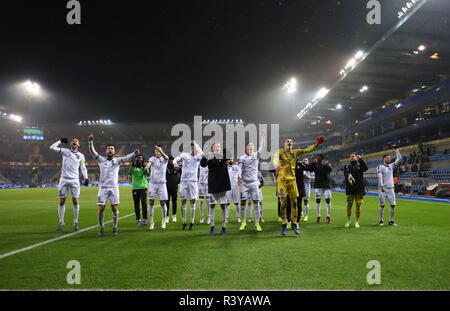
<point x="168" y="60"/>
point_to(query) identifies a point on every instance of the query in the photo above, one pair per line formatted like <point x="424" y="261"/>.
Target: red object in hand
<point x="279" y="167"/>
<point x="320" y="140"/>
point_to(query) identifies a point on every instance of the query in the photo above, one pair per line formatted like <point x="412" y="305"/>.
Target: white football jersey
<point x="249" y="167"/>
<point x="158" y="170"/>
<point x="385" y="173"/>
<point x="109" y="170"/>
<point x="233" y="172"/>
<point x="203" y="179"/>
<point x="71" y="163"/>
<point x="190" y="165"/>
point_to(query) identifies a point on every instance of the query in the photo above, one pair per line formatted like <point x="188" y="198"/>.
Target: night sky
<point x="169" y="60"/>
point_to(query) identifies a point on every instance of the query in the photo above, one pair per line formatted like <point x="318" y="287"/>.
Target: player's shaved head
<point x="288" y="143"/>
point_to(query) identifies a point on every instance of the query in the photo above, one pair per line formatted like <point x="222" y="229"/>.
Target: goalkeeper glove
<point x="64" y="140"/>
<point x="320" y="140"/>
<point x="350" y="179"/>
<point x="86" y="182"/>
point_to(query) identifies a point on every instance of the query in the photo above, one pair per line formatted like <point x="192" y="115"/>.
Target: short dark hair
<point x="353" y="153"/>
<point x="109" y="145"/>
<point x="320" y="156"/>
<point x="385" y="155"/>
<point x="159" y="146"/>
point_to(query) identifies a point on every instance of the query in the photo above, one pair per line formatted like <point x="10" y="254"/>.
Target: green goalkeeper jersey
<point x="139" y="177"/>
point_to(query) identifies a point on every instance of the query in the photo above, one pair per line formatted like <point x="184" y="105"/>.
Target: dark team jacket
<point x="322" y="179"/>
<point x="172" y="177"/>
<point x="218" y="178"/>
<point x="356" y="168"/>
<point x="300" y="167"/>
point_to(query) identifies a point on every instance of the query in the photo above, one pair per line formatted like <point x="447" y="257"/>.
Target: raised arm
<point x="92" y="149"/>
<point x="199" y="150"/>
<point x="55" y="147"/>
<point x="262" y="142"/>
<point x="398" y="157"/>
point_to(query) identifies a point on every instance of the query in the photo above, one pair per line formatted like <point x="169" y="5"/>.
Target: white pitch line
<point x="58" y="238"/>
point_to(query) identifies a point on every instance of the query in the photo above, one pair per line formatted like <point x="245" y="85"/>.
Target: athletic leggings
<point x="172" y="195"/>
<point x="140" y="195"/>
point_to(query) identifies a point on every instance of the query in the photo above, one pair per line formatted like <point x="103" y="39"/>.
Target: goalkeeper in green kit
<point x="140" y="185"/>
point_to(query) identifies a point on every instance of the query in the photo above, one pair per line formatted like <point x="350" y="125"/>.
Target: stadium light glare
<point x="322" y="93"/>
<point x="421" y="48"/>
<point x="359" y="54"/>
<point x="15" y="118"/>
<point x="32" y="88"/>
<point x="290" y="86"/>
<point x="338" y="106"/>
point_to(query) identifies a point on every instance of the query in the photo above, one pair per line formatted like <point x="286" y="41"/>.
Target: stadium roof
<point x="393" y="69"/>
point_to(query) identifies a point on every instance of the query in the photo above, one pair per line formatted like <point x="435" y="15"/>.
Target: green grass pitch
<point x="414" y="255"/>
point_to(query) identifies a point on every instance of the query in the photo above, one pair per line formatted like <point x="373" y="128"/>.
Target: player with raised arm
<point x="248" y="178"/>
<point x="189" y="180"/>
<point x="385" y="174"/>
<point x="72" y="162"/>
<point x="284" y="161"/>
<point x="109" y="182"/>
<point x="354" y="186"/>
<point x="157" y="185"/>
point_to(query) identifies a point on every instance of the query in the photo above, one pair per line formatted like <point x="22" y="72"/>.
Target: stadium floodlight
<point x="290" y="86"/>
<point x="338" y="106"/>
<point x="421" y="47"/>
<point x="359" y="54"/>
<point x="364" y="88"/>
<point x="32" y="88"/>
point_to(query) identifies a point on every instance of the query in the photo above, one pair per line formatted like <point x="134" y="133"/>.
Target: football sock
<point x="61" y="211"/>
<point x="192" y="214"/>
<point x="163" y="210"/>
<point x="328" y="209"/>
<point x="306" y="210"/>
<point x="101" y="217"/>
<point x="243" y="212"/>
<point x="250" y="209"/>
<point x="236" y="206"/>
<point x="318" y="208"/>
<point x="200" y="205"/>
<point x="115" y="216"/>
<point x="76" y="209"/>
<point x="391" y="214"/>
<point x="223" y="212"/>
<point x="381" y="213"/>
<point x="211" y="215"/>
<point x="256" y="211"/>
<point x="183" y="212"/>
<point x="260" y="210"/>
<point x="227" y="211"/>
<point x="151" y="211"/>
